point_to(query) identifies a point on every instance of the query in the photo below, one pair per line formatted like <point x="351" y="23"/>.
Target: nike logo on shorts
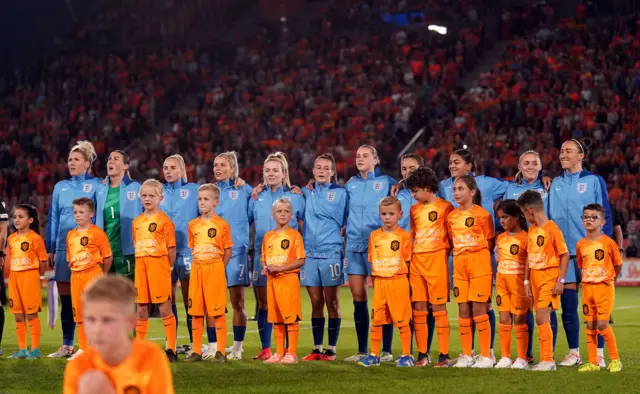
<point x="286" y="317"/>
<point x="439" y="298"/>
<point x="217" y="308"/>
<point x="400" y="321"/>
<point x="158" y="296"/>
<point x="483" y="330"/>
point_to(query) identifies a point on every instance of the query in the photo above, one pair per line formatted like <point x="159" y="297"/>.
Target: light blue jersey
<point x="492" y="189"/>
<point x="324" y="216"/>
<point x="261" y="214"/>
<point x="568" y="195"/>
<point x="234" y="208"/>
<point x="130" y="208"/>
<point x="407" y="201"/>
<point x="515" y="189"/>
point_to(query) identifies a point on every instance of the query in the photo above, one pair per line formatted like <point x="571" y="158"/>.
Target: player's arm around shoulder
<point x="227" y="242"/>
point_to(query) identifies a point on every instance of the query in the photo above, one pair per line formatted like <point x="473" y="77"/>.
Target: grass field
<point x="45" y="376"/>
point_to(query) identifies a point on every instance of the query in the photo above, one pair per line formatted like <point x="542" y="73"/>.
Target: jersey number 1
<point x="113" y="213"/>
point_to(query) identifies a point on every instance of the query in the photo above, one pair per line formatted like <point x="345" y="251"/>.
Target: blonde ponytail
<point x="180" y="161"/>
<point x="232" y="158"/>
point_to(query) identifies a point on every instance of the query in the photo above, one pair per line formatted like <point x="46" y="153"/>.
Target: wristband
<point x="526" y="282"/>
<point x="561" y="280"/>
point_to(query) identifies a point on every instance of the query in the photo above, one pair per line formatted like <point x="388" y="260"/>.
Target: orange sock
<point x="221" y="333"/>
<point x="505" y="340"/>
<point x="466" y="335"/>
<point x="546" y="342"/>
<point x="293" y="330"/>
<point x="484" y="332"/>
<point x="197" y="326"/>
<point x="592" y="346"/>
<point x="405" y="339"/>
<point x="522" y="340"/>
<point x="420" y="329"/>
<point x="376" y="338"/>
<point x="281" y="332"/>
<point x="34" y="329"/>
<point x="443" y="330"/>
<point x="610" y="340"/>
<point x="170" y="330"/>
<point x="21" y="332"/>
<point x="142" y="328"/>
<point x="82" y="336"/>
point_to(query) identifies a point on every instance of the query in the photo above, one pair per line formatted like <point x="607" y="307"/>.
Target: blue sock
<point x="387" y="338"/>
<point x="473" y="335"/>
<point x="492" y="322"/>
<point x="265" y="328"/>
<point x="317" y="328"/>
<point x="286" y="336"/>
<point x="238" y="333"/>
<point x="189" y="318"/>
<point x="66" y="319"/>
<point x="334" y="330"/>
<point x="600" y="342"/>
<point x="412" y="334"/>
<point x="554" y="328"/>
<point x="431" y="326"/>
<point x="531" y="327"/>
<point x="361" y="320"/>
<point x="570" y="319"/>
<point x="211" y="334"/>
<point x="174" y="308"/>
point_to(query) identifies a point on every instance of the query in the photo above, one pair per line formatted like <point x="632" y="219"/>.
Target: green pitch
<point x="45" y="376"/>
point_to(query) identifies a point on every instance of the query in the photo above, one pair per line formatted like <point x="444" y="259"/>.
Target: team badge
<point x="331" y="196"/>
<point x="87" y="187"/>
<point x="153" y="227"/>
<point x="540" y="240"/>
<point x="514" y="249"/>
<point x="24" y="246"/>
<point x="131" y="390"/>
<point x="456" y="291"/>
<point x="585" y="309"/>
<point x="233" y="194"/>
<point x="395" y="245"/>
<point x="255" y="276"/>
<point x="599" y="254"/>
<point x="433" y="216"/>
<point x="284" y="244"/>
<point x="302" y="275"/>
<point x="345" y="263"/>
<point x="84" y="241"/>
<point x="499" y="300"/>
<point x="377" y="186"/>
<point x="212" y="232"/>
<point x="131" y="196"/>
<point x="469" y="221"/>
<point x="582" y="187"/>
<point x="184" y="194"/>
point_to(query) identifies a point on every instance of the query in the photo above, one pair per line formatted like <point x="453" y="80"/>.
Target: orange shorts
<point x="25" y="294"/>
<point x="597" y="300"/>
<point x="429" y="277"/>
<point x="152" y="280"/>
<point x="391" y="301"/>
<point x="79" y="281"/>
<point x="207" y="289"/>
<point x="542" y="283"/>
<point x="510" y="294"/>
<point x="283" y="299"/>
<point x="472" y="277"/>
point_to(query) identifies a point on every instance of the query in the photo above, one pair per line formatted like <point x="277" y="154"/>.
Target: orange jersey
<point x="429" y="226"/>
<point x="145" y="371"/>
<point x="25" y="251"/>
<point x="598" y="259"/>
<point x="546" y="245"/>
<point x="87" y="248"/>
<point x="153" y="235"/>
<point x="282" y="247"/>
<point x="208" y="238"/>
<point x="389" y="252"/>
<point x="470" y="230"/>
<point x="512" y="253"/>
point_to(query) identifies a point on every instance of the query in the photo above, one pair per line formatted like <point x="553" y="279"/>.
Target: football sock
<point x="334" y="331"/>
<point x="405" y="339"/>
<point x="492" y="323"/>
<point x="444" y="330"/>
<point x="610" y="340"/>
<point x="197" y="328"/>
<point x="554" y="327"/>
<point x="265" y="328"/>
<point x="431" y="329"/>
<point x="211" y="335"/>
<point x="570" y="318"/>
<point x="66" y="320"/>
<point x="376" y="338"/>
<point x="293" y="332"/>
<point x="600" y="342"/>
<point x="546" y="342"/>
<point x="142" y="328"/>
<point x="189" y="323"/>
<point x="170" y="331"/>
<point x="174" y="308"/>
<point x="592" y="346"/>
<point x="82" y="337"/>
<point x="280" y="332"/>
<point x="466" y="335"/>
<point x="317" y="328"/>
<point x="361" y="319"/>
<point x="421" y="329"/>
<point x="238" y="333"/>
<point x="35" y="329"/>
<point x="484" y="332"/>
<point x="387" y="338"/>
<point x="522" y="340"/>
<point x="221" y="333"/>
<point x="505" y="340"/>
<point x="530" y="329"/>
<point x="21" y="332"/>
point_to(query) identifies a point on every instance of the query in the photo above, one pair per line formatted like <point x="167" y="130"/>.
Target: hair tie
<point x="579" y="144"/>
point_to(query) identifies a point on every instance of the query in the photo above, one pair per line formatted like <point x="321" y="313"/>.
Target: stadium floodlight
<point x="438" y="29"/>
